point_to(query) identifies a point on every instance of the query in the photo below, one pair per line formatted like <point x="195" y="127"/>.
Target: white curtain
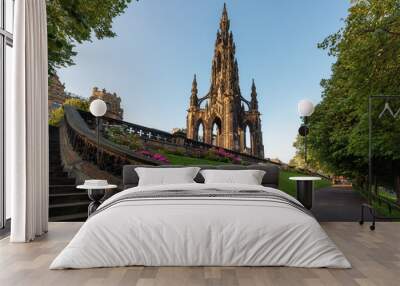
<point x="27" y="124"/>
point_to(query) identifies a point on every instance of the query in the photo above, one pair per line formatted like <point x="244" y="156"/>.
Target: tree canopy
<point x="367" y="51"/>
<point x="75" y="21"/>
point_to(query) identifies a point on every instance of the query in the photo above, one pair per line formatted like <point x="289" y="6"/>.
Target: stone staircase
<point x="66" y="203"/>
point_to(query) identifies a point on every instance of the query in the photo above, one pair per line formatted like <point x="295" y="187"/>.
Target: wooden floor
<point x="375" y="257"/>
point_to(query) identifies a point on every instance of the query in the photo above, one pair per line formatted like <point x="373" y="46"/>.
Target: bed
<point x="201" y="224"/>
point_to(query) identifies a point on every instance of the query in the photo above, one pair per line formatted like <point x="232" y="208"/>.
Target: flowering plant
<point x="145" y="153"/>
<point x="161" y="158"/>
<point x="154" y="156"/>
<point x="226" y="156"/>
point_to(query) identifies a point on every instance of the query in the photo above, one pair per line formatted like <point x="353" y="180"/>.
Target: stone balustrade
<point x="165" y="139"/>
<point x="83" y="141"/>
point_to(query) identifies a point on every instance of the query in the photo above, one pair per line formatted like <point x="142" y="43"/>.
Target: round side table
<point x="305" y="190"/>
<point x="96" y="195"/>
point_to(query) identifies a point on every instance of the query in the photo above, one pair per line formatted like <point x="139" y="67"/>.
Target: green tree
<point x="298" y="158"/>
<point x="76" y="21"/>
<point x="312" y="163"/>
<point x="367" y="52"/>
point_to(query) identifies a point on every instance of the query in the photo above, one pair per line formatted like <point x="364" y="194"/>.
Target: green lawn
<point x="289" y="186"/>
<point x="284" y="183"/>
<point x="387" y="195"/>
<point x="188" y="161"/>
<point x="383" y="209"/>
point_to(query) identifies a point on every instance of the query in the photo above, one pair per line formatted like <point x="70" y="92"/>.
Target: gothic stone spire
<point x="224" y="104"/>
<point x="194" y="98"/>
<point x="224" y="73"/>
<point x="224" y="23"/>
<point x="254" y="101"/>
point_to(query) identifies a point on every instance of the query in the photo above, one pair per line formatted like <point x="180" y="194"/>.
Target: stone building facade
<point x="226" y="116"/>
<point x="113" y="102"/>
<point x="57" y="94"/>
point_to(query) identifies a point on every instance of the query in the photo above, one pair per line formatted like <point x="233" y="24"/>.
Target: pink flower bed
<point x="154" y="156"/>
<point x="226" y="155"/>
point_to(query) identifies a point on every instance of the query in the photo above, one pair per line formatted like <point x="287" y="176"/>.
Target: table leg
<point x="305" y="193"/>
<point x="96" y="196"/>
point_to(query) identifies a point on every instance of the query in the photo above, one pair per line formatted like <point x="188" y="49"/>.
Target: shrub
<point x="225" y="156"/>
<point x="154" y="156"/>
<point x="118" y="135"/>
<point x="178" y="151"/>
<point x="210" y="155"/>
<point x="56" y="115"/>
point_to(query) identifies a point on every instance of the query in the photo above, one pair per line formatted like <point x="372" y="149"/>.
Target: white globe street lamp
<point x="305" y="109"/>
<point x="98" y="108"/>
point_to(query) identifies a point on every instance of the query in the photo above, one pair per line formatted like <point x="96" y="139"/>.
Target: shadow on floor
<point x="338" y="204"/>
<point x="4" y="232"/>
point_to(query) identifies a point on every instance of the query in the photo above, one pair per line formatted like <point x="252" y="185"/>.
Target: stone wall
<point x="57" y="95"/>
<point x="80" y="169"/>
<point x="113" y="102"/>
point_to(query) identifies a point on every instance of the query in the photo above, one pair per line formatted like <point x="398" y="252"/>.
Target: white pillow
<point x="166" y="176"/>
<point x="248" y="177"/>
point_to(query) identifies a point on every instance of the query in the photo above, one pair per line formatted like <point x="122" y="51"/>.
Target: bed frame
<point x="130" y="178"/>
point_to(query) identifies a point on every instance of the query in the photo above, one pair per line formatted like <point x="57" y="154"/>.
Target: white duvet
<point x="202" y="232"/>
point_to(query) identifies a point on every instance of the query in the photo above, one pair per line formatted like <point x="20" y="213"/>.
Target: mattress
<point x="201" y="225"/>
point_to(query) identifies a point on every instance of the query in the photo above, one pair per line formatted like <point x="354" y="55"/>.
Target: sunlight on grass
<point x="284" y="183"/>
<point x="189" y="161"/>
<point x="289" y="186"/>
<point x="382" y="208"/>
<point x="387" y="195"/>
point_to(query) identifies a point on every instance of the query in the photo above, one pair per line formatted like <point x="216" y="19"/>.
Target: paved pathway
<point x="338" y="204"/>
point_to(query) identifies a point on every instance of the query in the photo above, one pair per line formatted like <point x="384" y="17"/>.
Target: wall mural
<point x="233" y="119"/>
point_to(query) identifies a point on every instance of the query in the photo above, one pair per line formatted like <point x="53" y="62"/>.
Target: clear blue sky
<point x="160" y="45"/>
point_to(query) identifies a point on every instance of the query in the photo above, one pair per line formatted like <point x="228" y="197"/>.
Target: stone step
<point x="58" y="173"/>
<point x="54" y="159"/>
<point x="58" y="168"/>
<point x="55" y="144"/>
<point x="54" y="164"/>
<point x="55" y="148"/>
<point x="70" y="217"/>
<point x="77" y="193"/>
<point x="71" y="197"/>
<point x="62" y="181"/>
<point x="66" y="203"/>
<point x="67" y="208"/>
<point x="59" y="189"/>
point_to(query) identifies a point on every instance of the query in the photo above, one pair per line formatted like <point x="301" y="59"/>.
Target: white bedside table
<point x="96" y="195"/>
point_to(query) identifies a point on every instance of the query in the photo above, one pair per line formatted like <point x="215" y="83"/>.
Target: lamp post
<point x="305" y="109"/>
<point x="98" y="108"/>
